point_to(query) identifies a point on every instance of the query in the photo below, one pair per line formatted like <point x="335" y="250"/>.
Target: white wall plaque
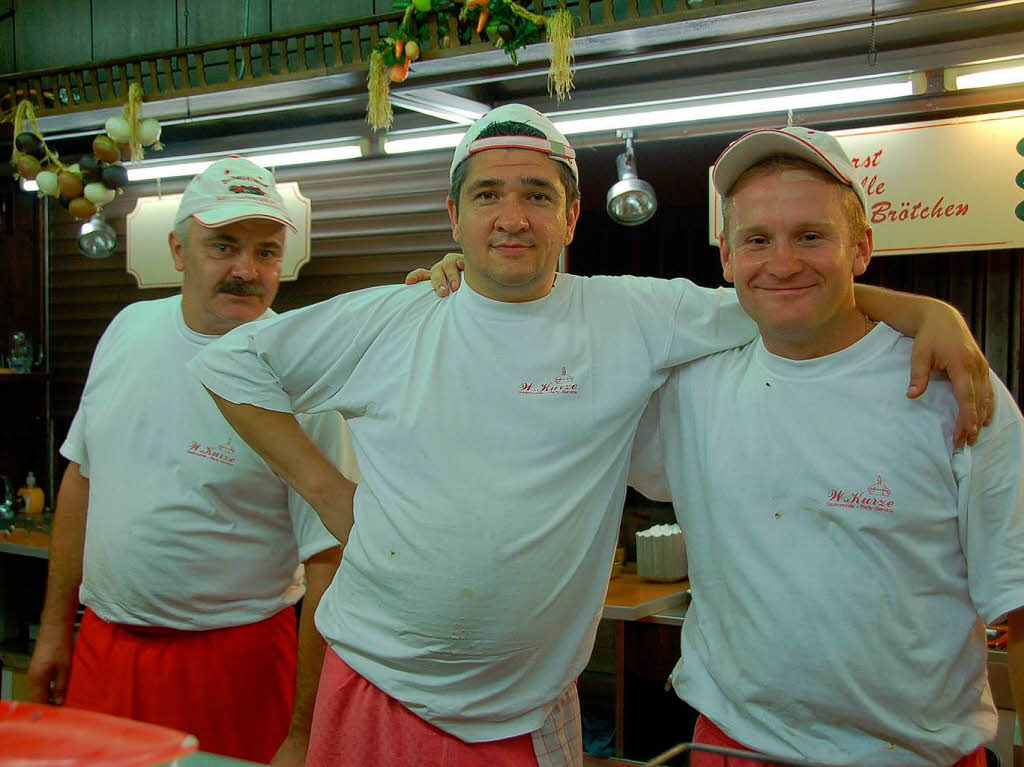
<point x="149" y="257"/>
<point x="938" y="186"/>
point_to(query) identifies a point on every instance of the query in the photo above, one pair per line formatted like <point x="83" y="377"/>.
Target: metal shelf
<point x="24" y="550"/>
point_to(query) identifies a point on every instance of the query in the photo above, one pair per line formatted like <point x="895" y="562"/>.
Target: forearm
<point x="294" y="457"/>
<point x="905" y="312"/>
<point x="67" y="546"/>
<point x="320" y="571"/>
<point x="1015" y="659"/>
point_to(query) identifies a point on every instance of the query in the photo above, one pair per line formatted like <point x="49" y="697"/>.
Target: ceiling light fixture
<point x="626" y="116"/>
<point x="630" y="201"/>
<point x="96" y="239"/>
<point x="739" y="104"/>
<point x="408" y="142"/>
<point x="984" y="74"/>
<point x="268" y="157"/>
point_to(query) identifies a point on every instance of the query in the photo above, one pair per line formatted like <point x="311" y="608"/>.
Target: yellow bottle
<point x="34" y="499"/>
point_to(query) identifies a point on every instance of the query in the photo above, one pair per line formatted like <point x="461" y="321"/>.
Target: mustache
<point x="240" y="288"/>
<point x="511" y="241"/>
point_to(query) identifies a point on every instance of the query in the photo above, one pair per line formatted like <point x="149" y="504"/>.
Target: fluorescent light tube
<point x="422" y="143"/>
<point x="306" y="156"/>
<point x="985" y="78"/>
<point x="143" y="171"/>
<point x="717" y="107"/>
<point x="147" y="172"/>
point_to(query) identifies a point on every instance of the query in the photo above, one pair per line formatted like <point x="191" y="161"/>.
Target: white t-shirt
<point x="494" y="442"/>
<point x="187" y="527"/>
<point x="842" y="554"/>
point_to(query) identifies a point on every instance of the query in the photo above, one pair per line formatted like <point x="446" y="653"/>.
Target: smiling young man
<point x="844" y="554"/>
<point x="184" y="543"/>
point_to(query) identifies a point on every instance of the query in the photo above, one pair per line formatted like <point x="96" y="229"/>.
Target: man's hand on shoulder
<point x="445" y="275"/>
<point x="945" y="343"/>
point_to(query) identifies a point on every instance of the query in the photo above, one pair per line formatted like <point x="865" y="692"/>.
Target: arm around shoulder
<point x="942" y="342"/>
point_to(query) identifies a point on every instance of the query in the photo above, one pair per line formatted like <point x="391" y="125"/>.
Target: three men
<point x="184" y="541"/>
<point x="844" y="555"/>
<point x="479" y="541"/>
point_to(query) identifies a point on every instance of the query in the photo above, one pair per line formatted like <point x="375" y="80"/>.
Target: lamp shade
<point x="631" y="202"/>
<point x="96" y="239"/>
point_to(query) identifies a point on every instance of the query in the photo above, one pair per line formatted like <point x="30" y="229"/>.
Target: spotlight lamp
<point x="630" y="201"/>
<point x="96" y="239"/>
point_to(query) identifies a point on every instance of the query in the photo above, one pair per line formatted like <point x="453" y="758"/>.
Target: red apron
<point x="707" y="732"/>
<point x="356" y="725"/>
<point x="233" y="688"/>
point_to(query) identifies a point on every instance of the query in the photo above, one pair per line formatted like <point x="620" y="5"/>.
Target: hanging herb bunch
<point x="505" y="23"/>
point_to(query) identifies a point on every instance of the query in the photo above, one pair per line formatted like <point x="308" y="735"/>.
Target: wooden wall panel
<point x="211" y="21"/>
<point x="286" y="15"/>
<point x="50" y="33"/>
<point x="128" y="29"/>
<point x="7" y="59"/>
<point x="53" y="33"/>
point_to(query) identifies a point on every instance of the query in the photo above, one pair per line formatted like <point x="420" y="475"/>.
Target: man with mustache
<point x="844" y="554"/>
<point x="480" y="539"/>
<point x="184" y="543"/>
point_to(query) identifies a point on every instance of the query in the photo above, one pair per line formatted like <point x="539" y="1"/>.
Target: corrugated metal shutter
<point x="984" y="286"/>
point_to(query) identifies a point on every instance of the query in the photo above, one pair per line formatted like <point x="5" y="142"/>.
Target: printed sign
<point x="938" y="186"/>
<point x="149" y="257"/>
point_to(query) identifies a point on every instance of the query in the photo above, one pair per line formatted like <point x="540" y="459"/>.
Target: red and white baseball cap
<point x="554" y="144"/>
<point x="231" y="190"/>
<point x="814" y="146"/>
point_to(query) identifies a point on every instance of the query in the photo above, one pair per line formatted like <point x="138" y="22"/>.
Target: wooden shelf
<point x="631" y="598"/>
<point x="23" y="377"/>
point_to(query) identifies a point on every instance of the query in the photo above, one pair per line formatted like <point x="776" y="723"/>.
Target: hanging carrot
<point x="398" y="72"/>
<point x="482" y="21"/>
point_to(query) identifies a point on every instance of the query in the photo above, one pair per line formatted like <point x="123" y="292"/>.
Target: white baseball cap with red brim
<point x="230" y="190"/>
<point x="554" y="144"/>
<point x="814" y="146"/>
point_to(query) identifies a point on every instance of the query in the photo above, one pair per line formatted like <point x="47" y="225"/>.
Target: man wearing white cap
<point x="191" y="542"/>
<point x="844" y="555"/>
<point x="479" y="547"/>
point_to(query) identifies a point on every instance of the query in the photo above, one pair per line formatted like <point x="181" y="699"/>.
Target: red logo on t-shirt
<point x="223" y="453"/>
<point x="561" y="384"/>
<point x="877" y="497"/>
